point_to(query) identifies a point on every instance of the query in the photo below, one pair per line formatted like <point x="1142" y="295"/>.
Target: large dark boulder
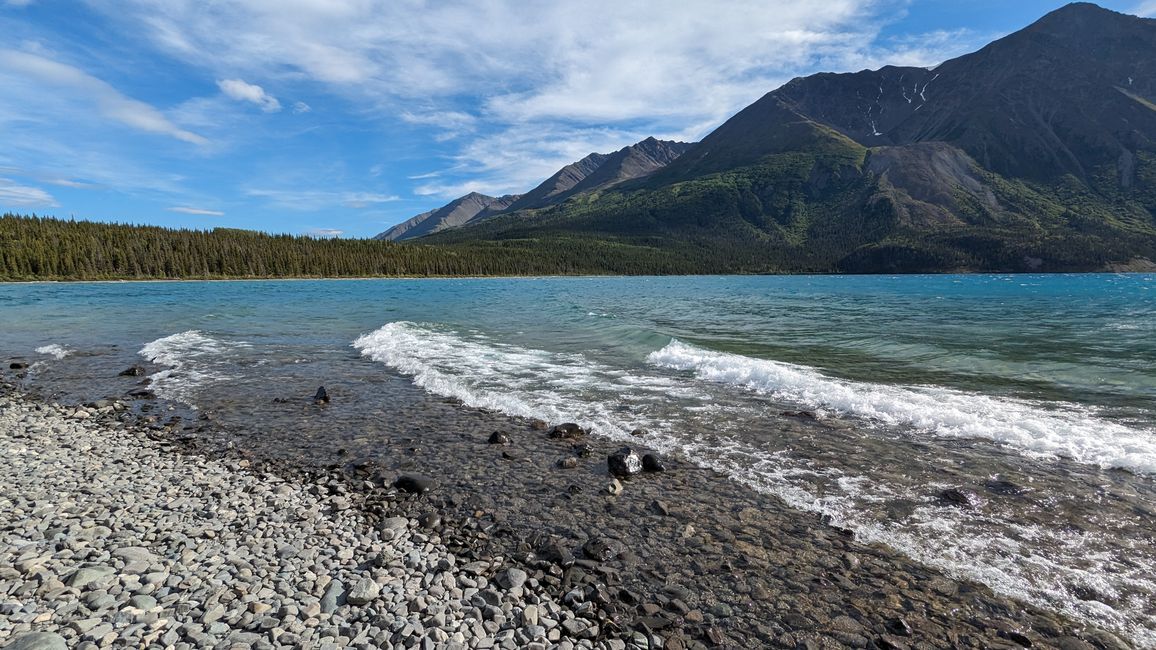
<point x="624" y="462"/>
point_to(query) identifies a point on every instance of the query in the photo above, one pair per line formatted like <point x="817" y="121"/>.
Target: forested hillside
<point x="36" y="248"/>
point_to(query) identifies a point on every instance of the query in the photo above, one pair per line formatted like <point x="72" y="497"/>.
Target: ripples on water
<point x="1037" y="393"/>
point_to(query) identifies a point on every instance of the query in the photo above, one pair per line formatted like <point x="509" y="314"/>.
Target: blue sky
<point x="344" y="117"/>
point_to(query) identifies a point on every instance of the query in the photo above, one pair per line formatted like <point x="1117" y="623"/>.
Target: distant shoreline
<point x="575" y="276"/>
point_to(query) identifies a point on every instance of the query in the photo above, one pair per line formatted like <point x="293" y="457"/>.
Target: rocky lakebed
<point x="123" y="526"/>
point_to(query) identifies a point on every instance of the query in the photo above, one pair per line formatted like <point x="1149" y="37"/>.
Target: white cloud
<point x="550" y="65"/>
<point x="1146" y="9"/>
<point x="301" y="107"/>
<point x="108" y="101"/>
<point x="498" y="77"/>
<point x="324" y="233"/>
<point x="309" y="200"/>
<point x="197" y="211"/>
<point x="243" y="91"/>
<point x="18" y="3"/>
<point x="23" y="196"/>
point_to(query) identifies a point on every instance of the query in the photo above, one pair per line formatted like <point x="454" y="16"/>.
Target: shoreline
<point x="564" y="276"/>
<point x="685" y="556"/>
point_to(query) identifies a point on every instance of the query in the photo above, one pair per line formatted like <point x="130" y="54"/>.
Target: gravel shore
<point x="109" y="540"/>
<point x="120" y="532"/>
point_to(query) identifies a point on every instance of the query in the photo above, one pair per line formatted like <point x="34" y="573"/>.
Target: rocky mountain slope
<point x="594" y="172"/>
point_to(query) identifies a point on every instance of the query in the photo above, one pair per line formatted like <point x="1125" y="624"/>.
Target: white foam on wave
<point x="516" y="381"/>
<point x="987" y="547"/>
<point x="54" y="350"/>
<point x="192" y="358"/>
<point x="1032" y="428"/>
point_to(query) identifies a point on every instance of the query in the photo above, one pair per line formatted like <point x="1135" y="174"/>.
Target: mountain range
<point x="594" y="172"/>
<point x="1038" y="152"/>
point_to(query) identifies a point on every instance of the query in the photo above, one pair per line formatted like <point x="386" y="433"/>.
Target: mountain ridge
<point x="594" y="172"/>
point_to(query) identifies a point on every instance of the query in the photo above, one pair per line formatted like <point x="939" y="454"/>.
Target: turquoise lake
<point x="916" y="384"/>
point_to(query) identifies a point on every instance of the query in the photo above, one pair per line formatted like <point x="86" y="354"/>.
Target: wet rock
<point x="322" y="396"/>
<point x="601" y="549"/>
<point x="1086" y="594"/>
<point x="652" y="463"/>
<point x="414" y="483"/>
<point x="638" y="433"/>
<point x="567" y="431"/>
<point x="624" y="462"/>
<point x="38" y="641"/>
<point x="960" y="498"/>
<point x="557" y="553"/>
<point x="142" y="393"/>
<point x="17" y="365"/>
<point x="499" y="438"/>
<point x="583" y="450"/>
<point x="614" y="487"/>
<point x="136" y="370"/>
<point x="568" y="463"/>
<point x="430" y="520"/>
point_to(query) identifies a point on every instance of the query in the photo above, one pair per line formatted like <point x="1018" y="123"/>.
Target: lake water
<point x="1032" y="396"/>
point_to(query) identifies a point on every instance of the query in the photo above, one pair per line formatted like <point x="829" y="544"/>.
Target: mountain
<point x="1038" y="152"/>
<point x="458" y="212"/>
<point x="594" y="172"/>
<point x="599" y="171"/>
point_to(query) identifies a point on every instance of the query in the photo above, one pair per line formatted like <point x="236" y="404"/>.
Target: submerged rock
<point x="806" y="415"/>
<point x="624" y="462"/>
<point x="499" y="438"/>
<point x="322" y="396"/>
<point x="17" y="365"/>
<point x="136" y="370"/>
<point x="652" y="463"/>
<point x="1004" y="487"/>
<point x="568" y="463"/>
<point x="638" y="433"/>
<point x="961" y="498"/>
<point x="414" y="483"/>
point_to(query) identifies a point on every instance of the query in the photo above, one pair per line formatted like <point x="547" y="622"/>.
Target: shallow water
<point x="1037" y="393"/>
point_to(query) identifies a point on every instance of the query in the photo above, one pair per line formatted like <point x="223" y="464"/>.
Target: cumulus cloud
<point x="324" y="233"/>
<point x="22" y="196"/>
<point x="243" y="91"/>
<point x="108" y="101"/>
<point x="197" y="211"/>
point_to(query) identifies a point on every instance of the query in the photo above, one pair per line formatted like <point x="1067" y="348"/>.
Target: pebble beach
<point x="118" y="534"/>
